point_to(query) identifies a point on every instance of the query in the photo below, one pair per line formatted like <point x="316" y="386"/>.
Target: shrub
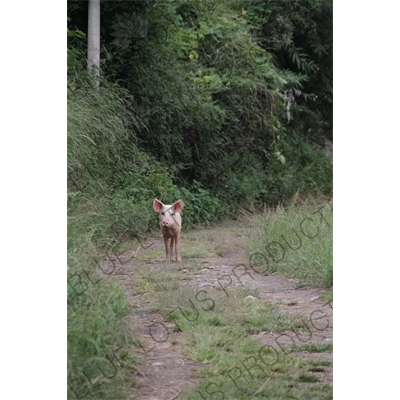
<point x="200" y="205"/>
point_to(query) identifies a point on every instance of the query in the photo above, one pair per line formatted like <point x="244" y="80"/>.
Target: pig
<point x="170" y="224"/>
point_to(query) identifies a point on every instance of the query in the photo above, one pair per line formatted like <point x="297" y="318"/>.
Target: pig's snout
<point x="167" y="219"/>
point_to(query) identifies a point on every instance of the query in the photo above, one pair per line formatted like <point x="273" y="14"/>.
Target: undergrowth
<point x="296" y="241"/>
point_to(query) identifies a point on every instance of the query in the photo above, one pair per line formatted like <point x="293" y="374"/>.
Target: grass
<point x="314" y="347"/>
<point x="216" y="331"/>
<point x="100" y="350"/>
<point x="296" y="241"/>
<point x="97" y="337"/>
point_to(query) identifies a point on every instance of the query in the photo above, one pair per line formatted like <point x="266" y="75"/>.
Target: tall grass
<point x="96" y="330"/>
<point x="102" y="154"/>
<point x="296" y="241"/>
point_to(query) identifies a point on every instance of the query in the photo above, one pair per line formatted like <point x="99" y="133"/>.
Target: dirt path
<point x="164" y="373"/>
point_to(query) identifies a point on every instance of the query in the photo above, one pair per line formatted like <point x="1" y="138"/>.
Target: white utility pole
<point x="94" y="41"/>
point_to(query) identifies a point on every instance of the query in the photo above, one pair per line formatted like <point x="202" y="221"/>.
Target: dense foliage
<point x="235" y="95"/>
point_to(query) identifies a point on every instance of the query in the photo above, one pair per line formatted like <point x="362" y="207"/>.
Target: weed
<point x="308" y="378"/>
<point x="295" y="241"/>
<point x="315" y="347"/>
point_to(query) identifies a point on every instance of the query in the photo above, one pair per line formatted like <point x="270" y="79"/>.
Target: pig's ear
<point x="178" y="205"/>
<point x="157" y="205"/>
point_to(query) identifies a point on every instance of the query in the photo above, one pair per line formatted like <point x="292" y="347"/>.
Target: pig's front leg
<point x="168" y="253"/>
<point x="171" y="248"/>
<point x="177" y="250"/>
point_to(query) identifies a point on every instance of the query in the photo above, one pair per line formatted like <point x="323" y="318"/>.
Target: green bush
<point x="201" y="206"/>
<point x="305" y="169"/>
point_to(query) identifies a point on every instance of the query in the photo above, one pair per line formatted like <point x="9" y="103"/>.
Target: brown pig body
<point x="170" y="224"/>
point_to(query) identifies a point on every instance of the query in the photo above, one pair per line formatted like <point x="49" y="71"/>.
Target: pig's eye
<point x="163" y="213"/>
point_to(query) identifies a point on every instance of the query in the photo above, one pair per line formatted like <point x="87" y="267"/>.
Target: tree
<point x="93" y="54"/>
<point x="299" y="35"/>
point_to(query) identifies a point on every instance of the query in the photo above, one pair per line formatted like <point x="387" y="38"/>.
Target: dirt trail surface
<point x="164" y="373"/>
